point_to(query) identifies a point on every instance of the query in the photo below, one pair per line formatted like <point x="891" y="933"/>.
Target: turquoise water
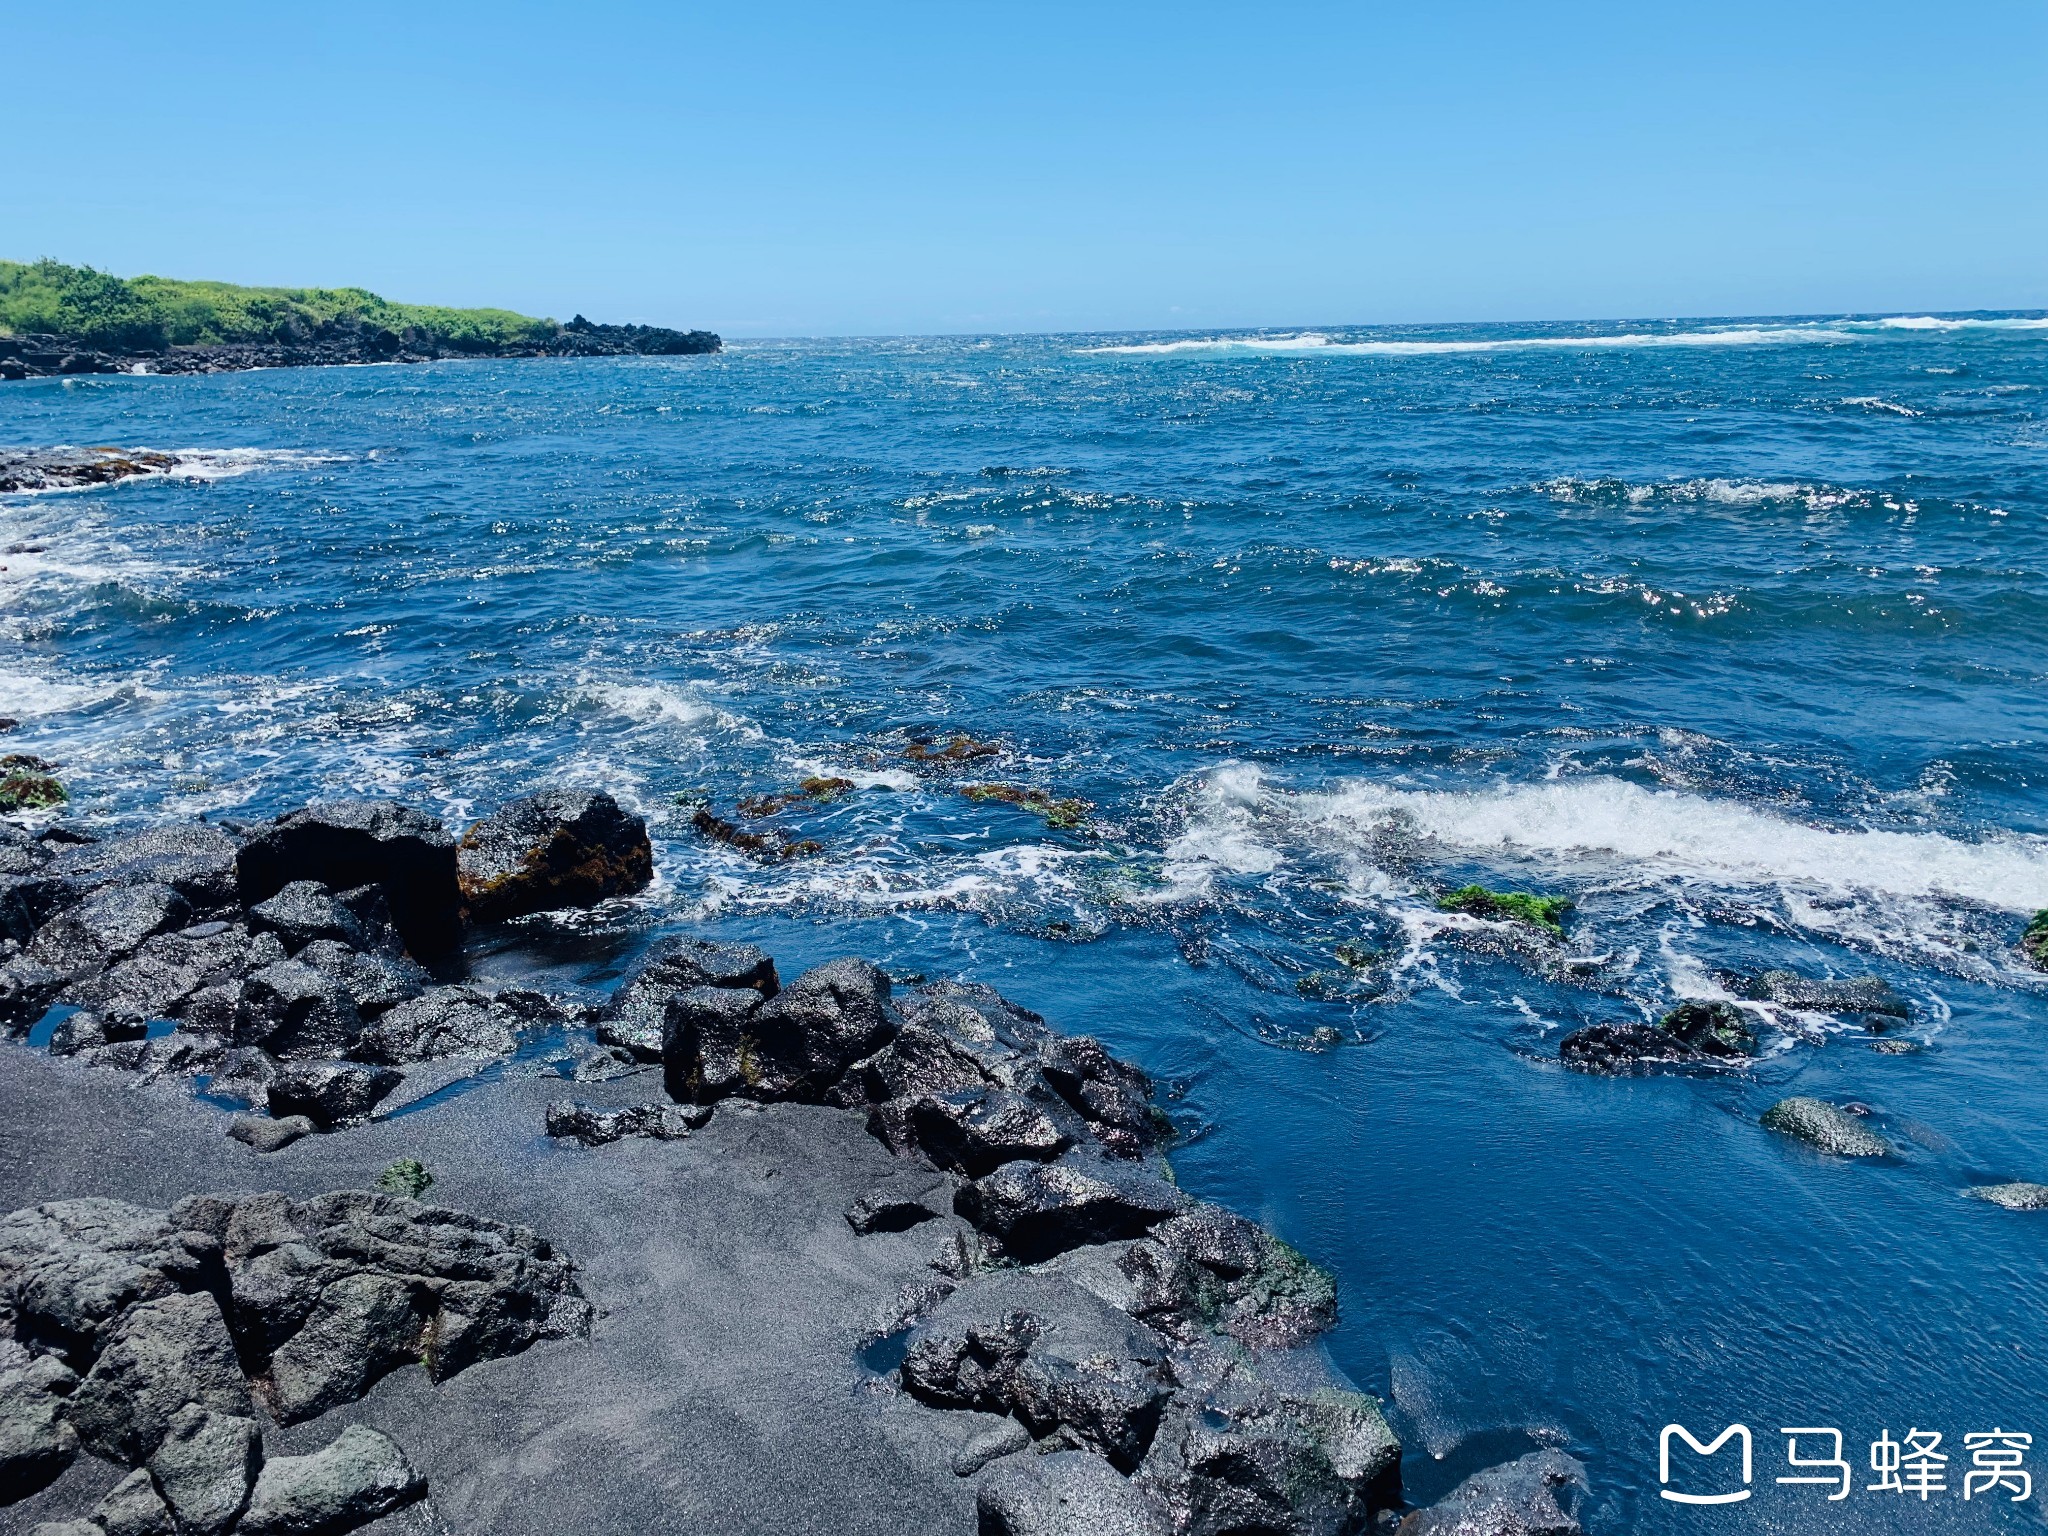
<point x="1731" y="631"/>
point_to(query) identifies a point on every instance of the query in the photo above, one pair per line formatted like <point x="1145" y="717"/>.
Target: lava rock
<point x="267" y="1135"/>
<point x="303" y="911"/>
<point x="375" y="983"/>
<point x="1068" y="1493"/>
<point x="1716" y="1029"/>
<point x="1537" y="1495"/>
<point x="974" y="1131"/>
<point x="159" y="1356"/>
<point x="1615" y="1050"/>
<point x="2014" y="1197"/>
<point x="1004" y="1439"/>
<point x="164" y="975"/>
<point x="36" y="1443"/>
<point x="105" y="926"/>
<point x="362" y="1327"/>
<point x="559" y="848"/>
<point x="71" y="1268"/>
<point x="26" y="991"/>
<point x="205" y="1467"/>
<point x="360" y="1476"/>
<point x="196" y="860"/>
<point x="484" y="1289"/>
<point x="82" y="1031"/>
<point x="1048" y="1352"/>
<point x="1862" y="995"/>
<point x="133" y="1507"/>
<point x="357" y="843"/>
<point x="330" y="1093"/>
<point x="1215" y="1238"/>
<point x="1037" y="1210"/>
<point x="447" y="1021"/>
<point x="810" y="1032"/>
<point x="291" y="1010"/>
<point x="888" y="1210"/>
<point x="708" y="1048"/>
<point x="1824" y="1126"/>
<point x="594" y="1127"/>
<point x="634" y="1018"/>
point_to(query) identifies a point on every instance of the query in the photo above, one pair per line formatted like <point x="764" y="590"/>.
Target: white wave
<point x="1717" y="490"/>
<point x="1665" y="833"/>
<point x="1315" y="343"/>
<point x="653" y="703"/>
<point x="1937" y="323"/>
<point x="1876" y="403"/>
<point x="24" y="694"/>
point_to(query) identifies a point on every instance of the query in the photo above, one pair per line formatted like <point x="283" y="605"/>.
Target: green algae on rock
<point x="408" y="1176"/>
<point x="26" y="790"/>
<point x="1718" y="1029"/>
<point x="2034" y="942"/>
<point x="1500" y="906"/>
<point x="1825" y="1126"/>
<point x="1061" y="815"/>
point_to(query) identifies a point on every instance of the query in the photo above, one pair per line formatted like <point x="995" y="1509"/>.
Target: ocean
<point x="1734" y="632"/>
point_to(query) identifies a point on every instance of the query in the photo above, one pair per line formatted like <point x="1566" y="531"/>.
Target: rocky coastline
<point x="344" y="340"/>
<point x="311" y="1233"/>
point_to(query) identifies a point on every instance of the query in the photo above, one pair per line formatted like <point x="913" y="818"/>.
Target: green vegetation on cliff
<point x="150" y="313"/>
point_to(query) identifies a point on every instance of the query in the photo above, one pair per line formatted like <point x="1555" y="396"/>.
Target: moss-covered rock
<point x="2034" y="942"/>
<point x="1718" y="1029"/>
<point x="23" y="789"/>
<point x="1544" y="912"/>
<point x="408" y="1176"/>
<point x="1067" y="815"/>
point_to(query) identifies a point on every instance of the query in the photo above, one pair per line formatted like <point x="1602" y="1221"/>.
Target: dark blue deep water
<point x="1735" y="633"/>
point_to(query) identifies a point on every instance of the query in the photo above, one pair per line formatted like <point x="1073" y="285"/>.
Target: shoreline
<point x="901" y="1259"/>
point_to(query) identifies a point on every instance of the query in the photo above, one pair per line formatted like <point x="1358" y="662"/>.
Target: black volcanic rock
<point x="635" y="1018"/>
<point x="559" y="848"/>
<point x="355" y="843"/>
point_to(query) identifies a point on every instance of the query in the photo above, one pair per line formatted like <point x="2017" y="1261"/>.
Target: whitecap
<point x="1317" y="344"/>
<point x="1876" y="403"/>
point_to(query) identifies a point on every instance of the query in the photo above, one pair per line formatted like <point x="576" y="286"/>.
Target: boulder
<point x="1005" y="1438"/>
<point x="362" y="1327"/>
<point x="164" y="975"/>
<point x="82" y="1031"/>
<point x="708" y="1045"/>
<point x="105" y="926"/>
<point x="1614" y="1050"/>
<point x="205" y="1467"/>
<point x="972" y="1130"/>
<point x="1869" y="995"/>
<point x="483" y="1289"/>
<point x="1239" y="1457"/>
<point x="1143" y="1280"/>
<point x="303" y="911"/>
<point x="904" y="1201"/>
<point x="36" y="1443"/>
<point x="811" y="1031"/>
<point x="133" y="1507"/>
<point x="559" y="848"/>
<point x="71" y="1268"/>
<point x="634" y="1018"/>
<point x="359" y="1477"/>
<point x="330" y="1093"/>
<point x="1068" y="1493"/>
<point x="357" y="843"/>
<point x="1037" y="1210"/>
<point x="26" y="991"/>
<point x="1822" y="1125"/>
<point x="375" y="983"/>
<point x="290" y="1009"/>
<point x="594" y="1126"/>
<point x="446" y="1021"/>
<point x="159" y="1356"/>
<point x="267" y="1135"/>
<point x="1051" y="1354"/>
<point x="1537" y="1495"/>
<point x="1714" y="1029"/>
<point x="197" y="860"/>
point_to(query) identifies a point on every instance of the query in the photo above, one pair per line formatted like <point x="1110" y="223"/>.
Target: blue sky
<point x="797" y="169"/>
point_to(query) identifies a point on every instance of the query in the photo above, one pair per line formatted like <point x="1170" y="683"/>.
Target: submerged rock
<point x="1868" y="995"/>
<point x="1544" y="912"/>
<point x="2019" y="1196"/>
<point x="1614" y="1050"/>
<point x="559" y="848"/>
<point x="1538" y="1495"/>
<point x="355" y="843"/>
<point x="1825" y="1126"/>
<point x="1717" y="1029"/>
<point x="2034" y="941"/>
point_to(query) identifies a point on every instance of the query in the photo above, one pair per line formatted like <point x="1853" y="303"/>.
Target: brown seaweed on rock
<point x="768" y="847"/>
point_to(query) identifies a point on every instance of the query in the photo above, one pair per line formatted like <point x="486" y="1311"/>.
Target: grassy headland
<point x="152" y="313"/>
